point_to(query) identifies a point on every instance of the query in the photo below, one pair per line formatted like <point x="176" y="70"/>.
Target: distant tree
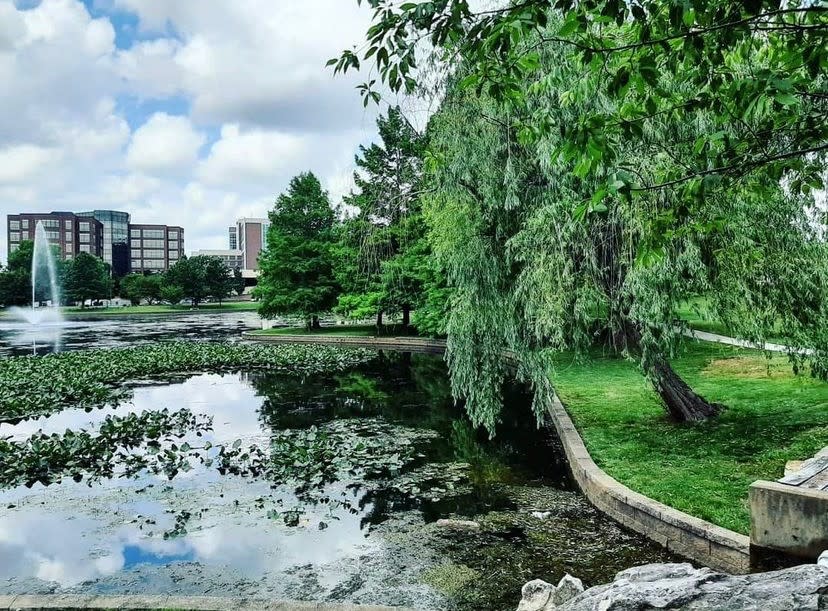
<point x="238" y="282"/>
<point x="388" y="223"/>
<point x="219" y="279"/>
<point x="297" y="268"/>
<point x="21" y="259"/>
<point x="15" y="287"/>
<point x="190" y="274"/>
<point x="151" y="285"/>
<point x="171" y="294"/>
<point x="131" y="287"/>
<point x="87" y="277"/>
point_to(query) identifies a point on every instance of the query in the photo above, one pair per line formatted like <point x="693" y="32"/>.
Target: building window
<point x="14" y="236"/>
<point x="173" y="235"/>
<point x="84" y="238"/>
<point x="136" y="252"/>
<point x="173" y="255"/>
<point x="67" y="236"/>
<point x="84" y="248"/>
<point x="135" y="243"/>
<point x="135" y="233"/>
<point x="153" y="254"/>
<point x="51" y="224"/>
<point x="157" y="234"/>
<point x="154" y="264"/>
<point x="13" y="247"/>
<point x="153" y="243"/>
<point x="173" y="244"/>
<point x="136" y="264"/>
<point x="53" y="235"/>
<point x="14" y="225"/>
<point x="24" y="224"/>
<point x="84" y="227"/>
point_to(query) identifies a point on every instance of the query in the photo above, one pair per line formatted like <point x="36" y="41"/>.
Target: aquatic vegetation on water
<point x="31" y="385"/>
<point x="124" y="445"/>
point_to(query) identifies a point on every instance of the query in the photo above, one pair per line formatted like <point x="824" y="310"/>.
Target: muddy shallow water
<point x="368" y="536"/>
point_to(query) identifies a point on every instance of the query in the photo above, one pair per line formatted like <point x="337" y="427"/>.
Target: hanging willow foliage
<point x="542" y="257"/>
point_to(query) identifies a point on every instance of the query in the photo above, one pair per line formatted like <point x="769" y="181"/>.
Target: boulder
<point x="683" y="588"/>
<point x="823" y="559"/>
<point x="568" y="588"/>
<point x="537" y="596"/>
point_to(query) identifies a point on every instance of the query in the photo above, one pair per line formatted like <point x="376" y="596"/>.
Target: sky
<point x="184" y="112"/>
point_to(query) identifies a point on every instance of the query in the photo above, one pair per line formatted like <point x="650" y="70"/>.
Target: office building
<point x="233" y="241"/>
<point x="115" y="238"/>
<point x="71" y="233"/>
<point x="154" y="248"/>
<point x="251" y="239"/>
<point x="232" y="258"/>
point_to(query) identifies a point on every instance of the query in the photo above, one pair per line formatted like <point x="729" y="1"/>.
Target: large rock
<point x="682" y="587"/>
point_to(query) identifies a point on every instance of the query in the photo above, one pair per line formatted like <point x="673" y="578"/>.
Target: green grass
<point x="230" y="306"/>
<point x="703" y="469"/>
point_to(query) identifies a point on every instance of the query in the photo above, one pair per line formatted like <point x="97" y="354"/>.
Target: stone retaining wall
<point x="691" y="537"/>
<point x="199" y="603"/>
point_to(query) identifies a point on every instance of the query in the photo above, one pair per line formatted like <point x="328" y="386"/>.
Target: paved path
<point x="742" y="343"/>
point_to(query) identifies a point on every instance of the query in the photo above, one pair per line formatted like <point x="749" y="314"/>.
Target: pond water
<point x="378" y="455"/>
<point x="20" y="338"/>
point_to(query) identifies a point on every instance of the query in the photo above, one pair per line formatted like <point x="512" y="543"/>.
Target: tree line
<point x="368" y="257"/>
<point x="86" y="278"/>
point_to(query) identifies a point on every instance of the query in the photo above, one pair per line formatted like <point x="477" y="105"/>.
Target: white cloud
<point x="251" y="156"/>
<point x="164" y="144"/>
<point x="254" y="105"/>
<point x="24" y="162"/>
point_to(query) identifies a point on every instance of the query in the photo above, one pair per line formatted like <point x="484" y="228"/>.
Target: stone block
<point x="789" y="519"/>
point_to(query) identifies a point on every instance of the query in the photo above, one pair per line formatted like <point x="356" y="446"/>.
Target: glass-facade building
<point x="115" y="238"/>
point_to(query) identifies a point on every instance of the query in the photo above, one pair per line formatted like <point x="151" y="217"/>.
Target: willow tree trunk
<point x="315" y="323"/>
<point x="379" y="319"/>
<point x="682" y="403"/>
<point x="406" y="316"/>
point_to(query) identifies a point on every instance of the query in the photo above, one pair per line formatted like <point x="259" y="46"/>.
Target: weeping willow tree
<point x="544" y="256"/>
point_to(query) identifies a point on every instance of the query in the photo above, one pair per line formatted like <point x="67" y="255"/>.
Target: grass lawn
<point x="230" y="306"/>
<point x="703" y="469"/>
<point x="341" y="330"/>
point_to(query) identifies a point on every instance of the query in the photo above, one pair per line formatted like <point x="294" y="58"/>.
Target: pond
<point x="326" y="487"/>
<point x="21" y="338"/>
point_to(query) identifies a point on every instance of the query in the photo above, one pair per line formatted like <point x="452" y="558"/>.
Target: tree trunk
<point x="406" y="316"/>
<point x="682" y="403"/>
<point x="315" y="322"/>
<point x="379" y="319"/>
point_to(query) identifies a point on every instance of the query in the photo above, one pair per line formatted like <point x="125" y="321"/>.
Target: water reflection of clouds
<point x="231" y="403"/>
<point x="67" y="550"/>
<point x="72" y="533"/>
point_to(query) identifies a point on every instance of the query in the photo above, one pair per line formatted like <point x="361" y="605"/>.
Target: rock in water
<point x="681" y="587"/>
<point x="537" y="596"/>
<point x="458" y="524"/>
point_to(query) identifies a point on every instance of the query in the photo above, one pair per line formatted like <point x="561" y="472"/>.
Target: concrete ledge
<point x="200" y="603"/>
<point x="789" y="519"/>
<point x="694" y="538"/>
<point x="414" y="344"/>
